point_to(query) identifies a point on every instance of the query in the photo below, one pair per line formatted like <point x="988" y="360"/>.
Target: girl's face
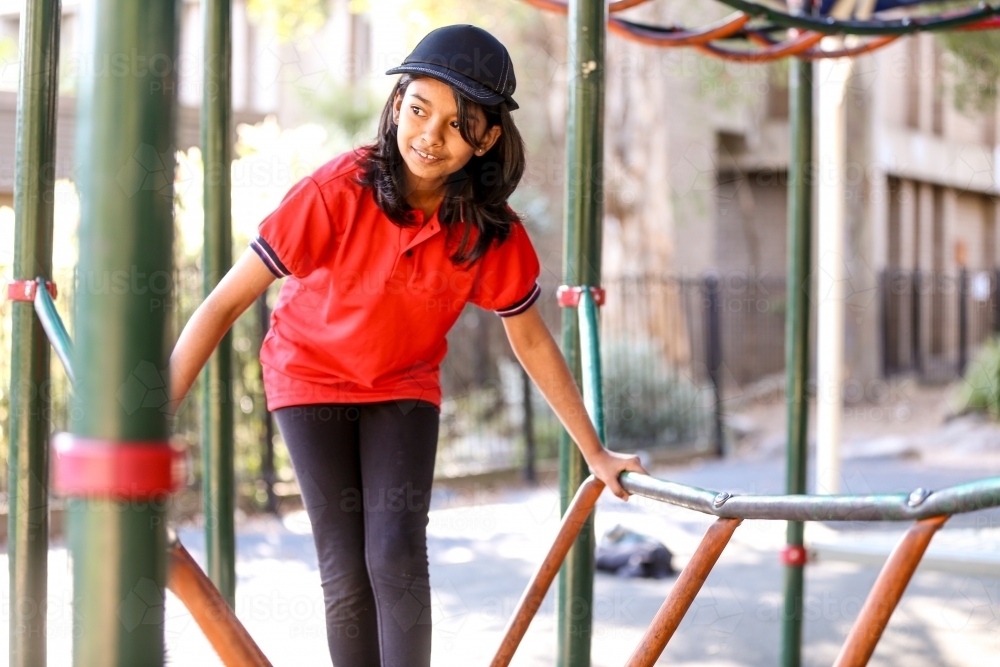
<point x="428" y="134"/>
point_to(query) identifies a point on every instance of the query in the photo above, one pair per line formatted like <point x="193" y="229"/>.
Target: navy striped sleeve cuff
<point x="522" y="305"/>
<point x="269" y="257"/>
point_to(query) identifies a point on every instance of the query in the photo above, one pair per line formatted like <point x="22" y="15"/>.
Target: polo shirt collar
<point x="426" y="231"/>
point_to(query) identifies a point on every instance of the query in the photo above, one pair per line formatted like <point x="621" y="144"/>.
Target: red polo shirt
<point x="366" y="304"/>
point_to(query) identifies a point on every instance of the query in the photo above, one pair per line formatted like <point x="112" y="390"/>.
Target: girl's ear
<point x="397" y="104"/>
<point x="489" y="139"/>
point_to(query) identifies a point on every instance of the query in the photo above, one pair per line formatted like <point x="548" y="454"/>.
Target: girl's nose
<point x="434" y="134"/>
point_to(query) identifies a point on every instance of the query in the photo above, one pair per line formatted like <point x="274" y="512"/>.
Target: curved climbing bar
<point x="622" y="5"/>
<point x="562" y="7"/>
<point x="791" y="47"/>
<point x="660" y="36"/>
<point x="851" y="51"/>
<point x="920" y="504"/>
<point x="831" y="26"/>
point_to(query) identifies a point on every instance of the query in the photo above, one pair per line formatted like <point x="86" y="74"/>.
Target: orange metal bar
<point x="576" y="515"/>
<point x="235" y="646"/>
<point x="622" y="5"/>
<point x="681" y="596"/>
<point x="562" y="7"/>
<point x="792" y="47"/>
<point x="549" y="6"/>
<point x="870" y="45"/>
<point x="886" y="592"/>
<point x="721" y="30"/>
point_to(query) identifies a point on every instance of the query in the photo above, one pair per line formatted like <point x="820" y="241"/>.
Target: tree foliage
<point x="290" y="19"/>
<point x="976" y="67"/>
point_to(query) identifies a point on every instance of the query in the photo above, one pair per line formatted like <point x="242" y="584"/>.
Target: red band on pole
<point x="794" y="555"/>
<point x="24" y="290"/>
<point x="130" y="470"/>
<point x="569" y="297"/>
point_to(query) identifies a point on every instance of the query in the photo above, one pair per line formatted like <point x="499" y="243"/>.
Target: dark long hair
<point x="476" y="195"/>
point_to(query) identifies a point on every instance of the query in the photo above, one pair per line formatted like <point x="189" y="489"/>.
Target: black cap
<point x="468" y="58"/>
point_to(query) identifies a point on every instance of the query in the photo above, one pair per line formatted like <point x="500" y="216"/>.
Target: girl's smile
<point x="427" y="158"/>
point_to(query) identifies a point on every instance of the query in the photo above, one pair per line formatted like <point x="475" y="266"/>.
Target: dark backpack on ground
<point x="631" y="554"/>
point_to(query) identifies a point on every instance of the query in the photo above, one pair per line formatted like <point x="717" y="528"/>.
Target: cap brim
<point x="470" y="88"/>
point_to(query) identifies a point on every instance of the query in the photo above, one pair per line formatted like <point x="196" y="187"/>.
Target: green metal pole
<point x="217" y="258"/>
<point x="28" y="505"/>
<point x="125" y="161"/>
<point x="800" y="181"/>
<point x="582" y="266"/>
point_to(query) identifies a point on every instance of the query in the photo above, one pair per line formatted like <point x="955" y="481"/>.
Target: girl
<point x="381" y="249"/>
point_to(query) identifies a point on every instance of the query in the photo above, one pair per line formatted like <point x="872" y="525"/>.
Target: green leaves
<point x="290" y="19"/>
<point x="975" y="67"/>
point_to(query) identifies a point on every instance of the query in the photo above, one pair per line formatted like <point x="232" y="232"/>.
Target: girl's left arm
<point x="541" y="358"/>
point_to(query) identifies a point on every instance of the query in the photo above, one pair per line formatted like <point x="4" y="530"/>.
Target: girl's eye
<point x="416" y="110"/>
<point x="454" y="124"/>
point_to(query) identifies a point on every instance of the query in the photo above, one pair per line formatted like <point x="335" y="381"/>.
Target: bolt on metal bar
<point x="54" y="328"/>
<point x="886" y="593"/>
<point x="920" y="504"/>
<point x="575" y="518"/>
<point x="683" y="593"/>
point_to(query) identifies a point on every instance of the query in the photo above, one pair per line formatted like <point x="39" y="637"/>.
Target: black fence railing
<point x="672" y="348"/>
<point x="933" y="321"/>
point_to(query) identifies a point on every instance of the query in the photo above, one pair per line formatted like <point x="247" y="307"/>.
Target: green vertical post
<point x="581" y="266"/>
<point x="125" y="160"/>
<point x="28" y="464"/>
<point x="800" y="181"/>
<point x="217" y="258"/>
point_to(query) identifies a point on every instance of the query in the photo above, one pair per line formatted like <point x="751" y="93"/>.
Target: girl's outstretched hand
<point x="607" y="465"/>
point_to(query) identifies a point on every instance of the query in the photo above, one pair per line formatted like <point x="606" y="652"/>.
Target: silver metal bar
<point x="920" y="504"/>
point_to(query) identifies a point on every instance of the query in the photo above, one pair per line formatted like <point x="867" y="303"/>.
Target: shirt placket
<point x="406" y="258"/>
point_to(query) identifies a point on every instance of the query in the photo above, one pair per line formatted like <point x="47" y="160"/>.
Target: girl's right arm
<point x="236" y="292"/>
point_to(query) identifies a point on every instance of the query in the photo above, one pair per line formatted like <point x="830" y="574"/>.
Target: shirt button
<point x="409" y="253"/>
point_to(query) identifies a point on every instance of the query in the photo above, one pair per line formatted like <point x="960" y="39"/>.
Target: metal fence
<point x="671" y="347"/>
<point x="933" y="321"/>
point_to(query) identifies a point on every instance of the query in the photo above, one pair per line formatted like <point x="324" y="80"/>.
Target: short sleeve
<point x="294" y="239"/>
<point x="508" y="275"/>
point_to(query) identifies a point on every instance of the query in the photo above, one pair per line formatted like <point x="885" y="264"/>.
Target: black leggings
<point x="365" y="472"/>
